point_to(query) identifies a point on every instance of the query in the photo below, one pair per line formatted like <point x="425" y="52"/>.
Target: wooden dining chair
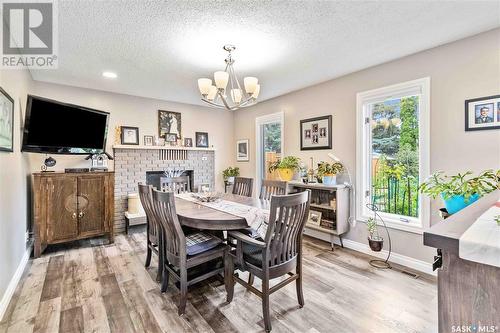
<point x="278" y="254"/>
<point x="153" y="241"/>
<point x="243" y="186"/>
<point x="272" y="187"/>
<point x="180" y="184"/>
<point x="190" y="259"/>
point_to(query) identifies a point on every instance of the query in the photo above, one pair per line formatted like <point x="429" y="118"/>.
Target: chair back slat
<point x="146" y="197"/>
<point x="287" y="219"/>
<point x="166" y="215"/>
<point x="243" y="186"/>
<point x="272" y="187"/>
<point x="181" y="184"/>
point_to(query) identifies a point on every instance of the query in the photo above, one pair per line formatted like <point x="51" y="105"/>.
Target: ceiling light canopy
<point x="217" y="94"/>
<point x="109" y="75"/>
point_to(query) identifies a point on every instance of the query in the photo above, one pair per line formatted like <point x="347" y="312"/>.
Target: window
<point x="269" y="144"/>
<point x="393" y="153"/>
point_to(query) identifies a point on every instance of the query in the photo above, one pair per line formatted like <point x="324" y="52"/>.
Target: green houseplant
<point x="329" y="171"/>
<point x="460" y="190"/>
<point x="375" y="241"/>
<point x="286" y="167"/>
<point x="230" y="173"/>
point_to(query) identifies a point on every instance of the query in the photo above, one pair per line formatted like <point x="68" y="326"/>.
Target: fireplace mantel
<point x="161" y="147"/>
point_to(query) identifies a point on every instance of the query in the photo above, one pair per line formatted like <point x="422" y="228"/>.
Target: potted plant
<point x="375" y="241"/>
<point x="286" y="167"/>
<point x="328" y="172"/>
<point x="460" y="190"/>
<point x="230" y="173"/>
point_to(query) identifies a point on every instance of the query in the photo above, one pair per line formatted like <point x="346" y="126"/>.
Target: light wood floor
<point x="90" y="287"/>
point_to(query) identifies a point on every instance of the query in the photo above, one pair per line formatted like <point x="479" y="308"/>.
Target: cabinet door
<point x="62" y="223"/>
<point x="91" y="205"/>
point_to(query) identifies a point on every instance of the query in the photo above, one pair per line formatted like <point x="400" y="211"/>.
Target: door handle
<point x="81" y="214"/>
<point x="73" y="216"/>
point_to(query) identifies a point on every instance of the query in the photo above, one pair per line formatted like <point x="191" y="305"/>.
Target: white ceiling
<point x="159" y="49"/>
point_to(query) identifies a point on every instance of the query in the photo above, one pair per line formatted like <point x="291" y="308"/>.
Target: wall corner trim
<point x="4" y="302"/>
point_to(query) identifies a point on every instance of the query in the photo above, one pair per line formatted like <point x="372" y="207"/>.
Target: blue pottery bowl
<point x="457" y="202"/>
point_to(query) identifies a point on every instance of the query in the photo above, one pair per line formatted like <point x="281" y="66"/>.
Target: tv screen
<point x="61" y="128"/>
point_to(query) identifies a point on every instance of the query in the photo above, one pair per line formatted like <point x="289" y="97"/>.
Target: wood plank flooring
<point x="92" y="287"/>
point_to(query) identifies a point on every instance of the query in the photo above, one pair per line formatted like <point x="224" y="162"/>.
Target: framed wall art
<point x="242" y="150"/>
<point x="316" y="133"/>
<point x="482" y="113"/>
<point x="201" y="139"/>
<point x="130" y="135"/>
<point x="6" y="122"/>
<point x="169" y="123"/>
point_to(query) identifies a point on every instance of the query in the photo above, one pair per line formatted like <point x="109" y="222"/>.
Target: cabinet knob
<point x="73" y="216"/>
<point x="81" y="214"/>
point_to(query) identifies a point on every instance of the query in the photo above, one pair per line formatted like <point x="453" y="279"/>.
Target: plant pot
<point x="286" y="174"/>
<point x="330" y="179"/>
<point x="376" y="244"/>
<point x="230" y="180"/>
<point x="457" y="202"/>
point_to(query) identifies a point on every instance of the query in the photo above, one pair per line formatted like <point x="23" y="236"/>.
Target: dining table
<point x="197" y="215"/>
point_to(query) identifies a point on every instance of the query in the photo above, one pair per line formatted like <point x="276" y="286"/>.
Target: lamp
<point x="351" y="219"/>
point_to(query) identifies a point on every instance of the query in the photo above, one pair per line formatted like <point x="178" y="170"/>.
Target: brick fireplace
<point x="131" y="165"/>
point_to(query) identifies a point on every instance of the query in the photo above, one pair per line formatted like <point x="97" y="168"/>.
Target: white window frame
<point x="259" y="121"/>
<point x="363" y="139"/>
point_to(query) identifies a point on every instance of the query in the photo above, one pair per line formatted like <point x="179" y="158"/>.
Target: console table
<point x="332" y="201"/>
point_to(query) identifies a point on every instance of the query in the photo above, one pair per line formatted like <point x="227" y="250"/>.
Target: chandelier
<point x="216" y="95"/>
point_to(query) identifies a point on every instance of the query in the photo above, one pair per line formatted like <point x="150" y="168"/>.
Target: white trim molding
<point x="420" y="87"/>
<point x="259" y="121"/>
<point x="14" y="281"/>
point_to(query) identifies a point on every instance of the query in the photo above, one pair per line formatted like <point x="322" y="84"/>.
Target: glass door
<point x="269" y="134"/>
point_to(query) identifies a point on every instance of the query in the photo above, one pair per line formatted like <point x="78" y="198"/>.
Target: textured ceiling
<point x="159" y="49"/>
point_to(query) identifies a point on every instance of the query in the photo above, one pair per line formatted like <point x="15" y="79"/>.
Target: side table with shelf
<point x="333" y="203"/>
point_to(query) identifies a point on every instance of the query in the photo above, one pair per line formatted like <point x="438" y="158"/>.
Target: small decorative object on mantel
<point x="6" y="122"/>
<point x="229" y="174"/>
<point x="482" y="113"/>
<point x="188" y="142"/>
<point x="328" y="172"/>
<point x="169" y="123"/>
<point x="286" y="167"/>
<point x="242" y="150"/>
<point x="201" y="139"/>
<point x="118" y="135"/>
<point x="316" y="133"/>
<point x="460" y="190"/>
<point x="376" y="241"/>
<point x="130" y="135"/>
<point x="148" y="140"/>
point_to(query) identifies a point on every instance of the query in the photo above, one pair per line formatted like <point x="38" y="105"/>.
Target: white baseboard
<point x="4" y="303"/>
<point x="396" y="258"/>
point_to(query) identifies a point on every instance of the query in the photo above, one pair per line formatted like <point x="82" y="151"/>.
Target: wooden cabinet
<point x="72" y="206"/>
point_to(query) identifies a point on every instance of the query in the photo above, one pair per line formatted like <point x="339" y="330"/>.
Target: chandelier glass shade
<point x="225" y="90"/>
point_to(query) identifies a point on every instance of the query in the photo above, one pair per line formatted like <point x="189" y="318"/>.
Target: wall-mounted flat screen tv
<point x="60" y="128"/>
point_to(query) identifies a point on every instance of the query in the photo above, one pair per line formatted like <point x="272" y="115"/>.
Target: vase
<point x="285" y="174"/>
<point x="456" y="203"/>
<point x="330" y="180"/>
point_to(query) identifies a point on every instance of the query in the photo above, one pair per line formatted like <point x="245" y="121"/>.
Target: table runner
<point x="481" y="242"/>
<point x="257" y="218"/>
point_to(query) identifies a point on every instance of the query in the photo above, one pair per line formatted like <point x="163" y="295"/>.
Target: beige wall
<point x="14" y="176"/>
<point x="143" y="113"/>
<point x="461" y="70"/>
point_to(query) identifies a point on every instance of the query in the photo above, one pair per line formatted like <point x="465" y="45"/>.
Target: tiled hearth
<point x="132" y="164"/>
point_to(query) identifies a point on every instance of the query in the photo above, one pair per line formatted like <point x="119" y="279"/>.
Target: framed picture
<point x="482" y="113"/>
<point x="170" y="138"/>
<point x="201" y="139"/>
<point x="242" y="150"/>
<point x="6" y="122"/>
<point x="188" y="142"/>
<point x="148" y="140"/>
<point x="169" y="123"/>
<point x="130" y="135"/>
<point x="316" y="133"/>
<point x="314" y="217"/>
